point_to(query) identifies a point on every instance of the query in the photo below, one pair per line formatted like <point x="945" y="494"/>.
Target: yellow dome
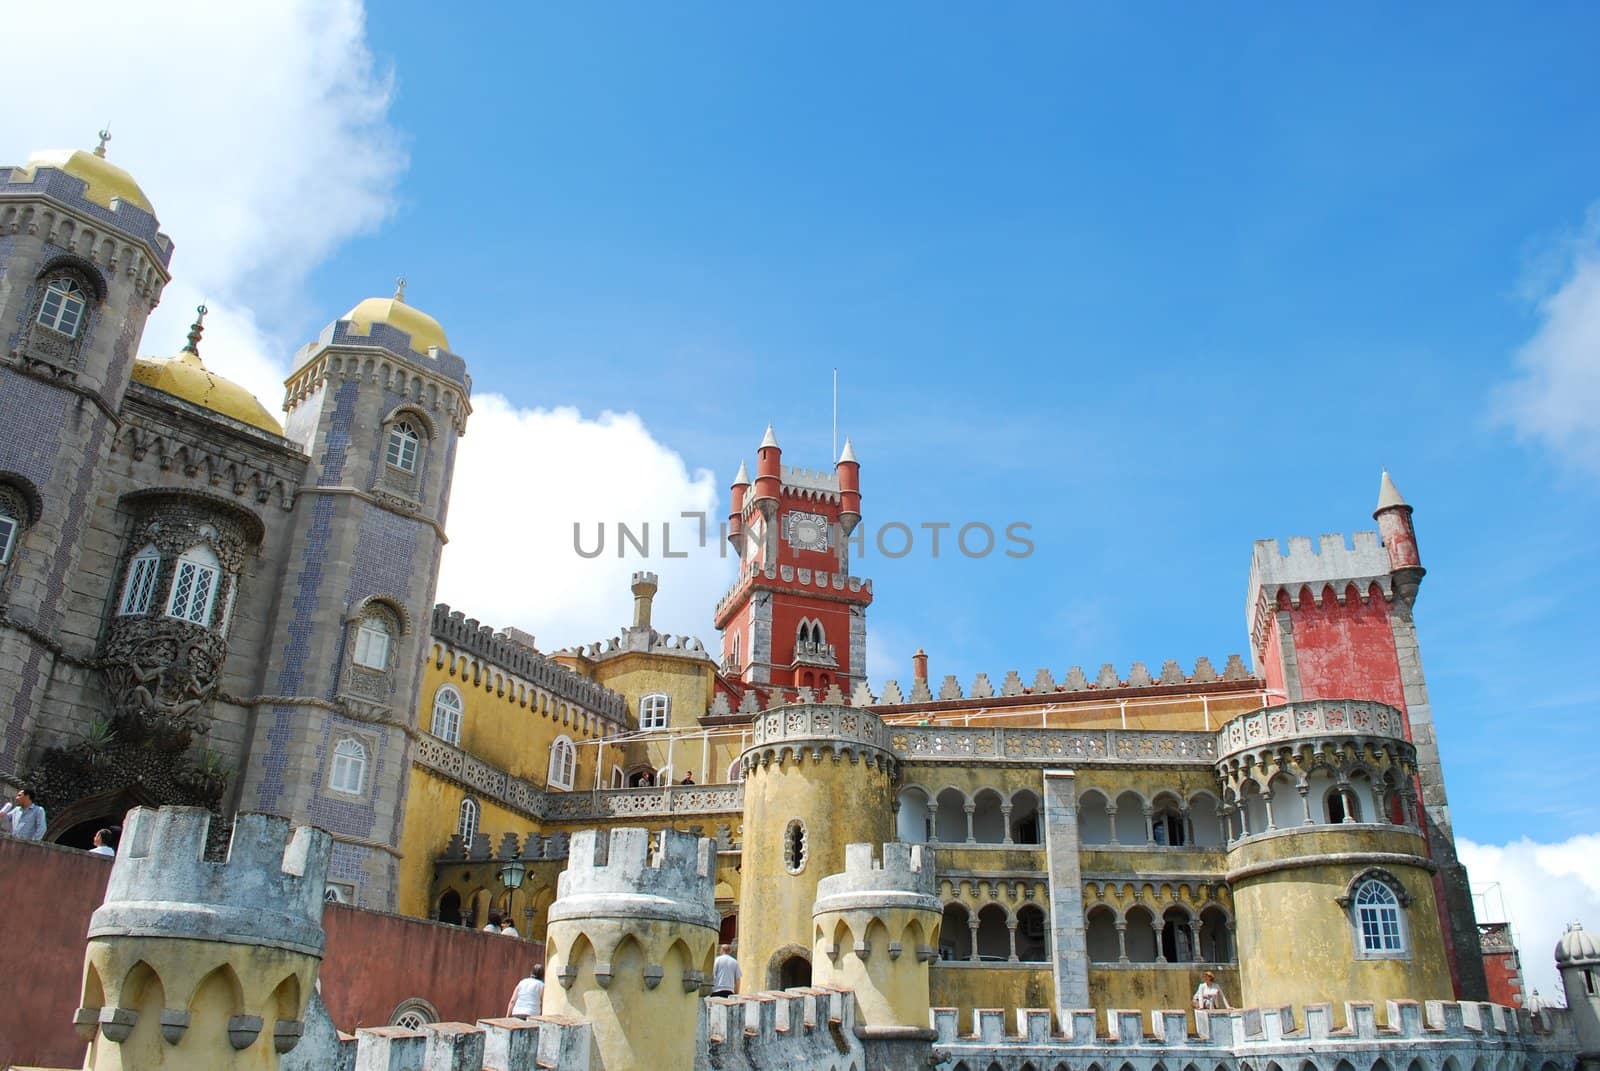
<point x="185" y="377"/>
<point x="423" y="329"/>
<point x="107" y="181"/>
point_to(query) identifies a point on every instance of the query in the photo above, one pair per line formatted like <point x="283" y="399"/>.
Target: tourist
<point x="105" y="842"/>
<point x="725" y="973"/>
<point x="1209" y="996"/>
<point x="27" y="817"/>
<point x="493" y="925"/>
<point x="688" y="778"/>
<point x="506" y="927"/>
<point x="527" y="1000"/>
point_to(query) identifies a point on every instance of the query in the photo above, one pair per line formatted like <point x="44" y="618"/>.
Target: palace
<point x="204" y="605"/>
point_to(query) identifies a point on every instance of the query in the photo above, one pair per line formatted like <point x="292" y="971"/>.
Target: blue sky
<point x="1157" y="281"/>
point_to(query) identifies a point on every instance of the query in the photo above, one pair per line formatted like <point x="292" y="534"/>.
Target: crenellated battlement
<point x="632" y="873"/>
<point x="267" y="892"/>
<point x="1237" y="1038"/>
<point x="548" y="1042"/>
<point x="813" y="1027"/>
<point x="895" y="872"/>
<point x="812" y="731"/>
<point x="1362" y="561"/>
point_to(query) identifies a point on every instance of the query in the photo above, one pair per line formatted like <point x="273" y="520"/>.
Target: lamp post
<point x="512" y="871"/>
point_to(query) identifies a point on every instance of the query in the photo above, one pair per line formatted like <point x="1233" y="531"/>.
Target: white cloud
<point x="259" y="131"/>
<point x="1556" y="398"/>
<point x="1542" y="887"/>
<point x="524" y="477"/>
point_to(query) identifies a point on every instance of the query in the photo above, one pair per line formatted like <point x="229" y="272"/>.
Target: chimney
<point x="919" y="665"/>
<point x="644" y="590"/>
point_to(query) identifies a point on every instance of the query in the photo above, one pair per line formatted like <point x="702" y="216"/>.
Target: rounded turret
<point x="848" y="471"/>
<point x="1395" y="528"/>
<point x="736" y="496"/>
<point x="632" y="935"/>
<point x="1578" y="962"/>
<point x="875" y="929"/>
<point x="769" y="472"/>
<point x="199" y="964"/>
<point x="816" y="778"/>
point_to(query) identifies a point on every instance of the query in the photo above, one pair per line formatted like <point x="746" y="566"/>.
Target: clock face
<point x="806" y="531"/>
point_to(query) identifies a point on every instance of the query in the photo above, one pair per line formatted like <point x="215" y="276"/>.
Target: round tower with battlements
<point x="875" y="929"/>
<point x="201" y="965"/>
<point x="816" y="778"/>
<point x="632" y="936"/>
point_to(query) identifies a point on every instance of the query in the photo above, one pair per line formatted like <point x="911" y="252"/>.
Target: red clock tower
<point x="795" y="616"/>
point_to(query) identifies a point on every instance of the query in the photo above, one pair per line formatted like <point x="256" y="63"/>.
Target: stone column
<point x="1305" y="803"/>
<point x="1122" y="941"/>
<point x="1005" y="817"/>
<point x="1068" y="944"/>
<point x="1011" y="937"/>
<point x="969" y="807"/>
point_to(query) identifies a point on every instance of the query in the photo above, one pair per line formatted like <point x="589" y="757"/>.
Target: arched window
<point x="13" y="515"/>
<point x="403" y="443"/>
<point x="1378" y="919"/>
<point x="653" y="711"/>
<point x="372" y="642"/>
<point x="349" y="767"/>
<point x="735" y="651"/>
<point x="467" y="821"/>
<point x="447" y="715"/>
<point x="141" y="583"/>
<point x="63" y="306"/>
<point x="563" y="762"/>
<point x="194" y="585"/>
<point x="794" y="846"/>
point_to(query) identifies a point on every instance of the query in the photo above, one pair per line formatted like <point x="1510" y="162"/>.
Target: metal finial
<point x="105" y="136"/>
<point x="195" y="330"/>
<point x="400" y="288"/>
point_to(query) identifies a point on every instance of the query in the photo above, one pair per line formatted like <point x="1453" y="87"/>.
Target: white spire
<point x="768" y="440"/>
<point x="848" y="454"/>
<point x="1388" y="494"/>
<point x="743" y="479"/>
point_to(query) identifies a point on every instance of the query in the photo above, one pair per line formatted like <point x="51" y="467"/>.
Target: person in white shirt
<point x="1209" y="995"/>
<point x="508" y="929"/>
<point x="105" y="843"/>
<point x="527" y="1000"/>
<point x="725" y="973"/>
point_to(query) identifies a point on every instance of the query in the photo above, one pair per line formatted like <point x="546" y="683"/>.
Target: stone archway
<point x="74" y="825"/>
<point x="789" y="967"/>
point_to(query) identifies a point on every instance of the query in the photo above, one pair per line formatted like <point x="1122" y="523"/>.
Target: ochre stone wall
<point x="970" y="988"/>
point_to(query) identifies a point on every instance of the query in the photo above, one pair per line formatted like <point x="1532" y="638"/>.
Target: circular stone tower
<point x="875" y="929"/>
<point x="632" y="935"/>
<point x="199" y="965"/>
<point x="816" y="777"/>
<point x="1326" y="852"/>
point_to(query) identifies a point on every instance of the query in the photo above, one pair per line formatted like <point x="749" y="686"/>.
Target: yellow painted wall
<point x="1296" y="942"/>
<point x="433" y="810"/>
<point x="1156" y="988"/>
<point x="990" y="986"/>
<point x="840" y="803"/>
<point x="852" y="950"/>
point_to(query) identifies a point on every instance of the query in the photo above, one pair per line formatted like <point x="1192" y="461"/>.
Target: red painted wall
<point x="372" y="963"/>
<point x="376" y="960"/>
<point x="1346" y="649"/>
<point x="50" y="894"/>
<point x="1505" y="978"/>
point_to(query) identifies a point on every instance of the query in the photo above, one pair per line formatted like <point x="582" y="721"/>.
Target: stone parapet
<point x="549" y="1043"/>
<point x="797" y="1029"/>
<point x="631" y="873"/>
<point x="1236" y="1039"/>
<point x="817" y="731"/>
<point x="1314" y="719"/>
<point x="1331" y="561"/>
<point x="903" y="876"/>
<point x="466" y="634"/>
<point x="1049" y="747"/>
<point x="267" y="892"/>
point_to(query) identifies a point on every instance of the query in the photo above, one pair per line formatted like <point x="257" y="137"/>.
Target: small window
<point x="1378" y="918"/>
<point x="63" y="307"/>
<point x="467" y="823"/>
<point x="1588" y="981"/>
<point x="618" y="778"/>
<point x="372" y="643"/>
<point x="447" y="715"/>
<point x="653" y="711"/>
<point x="338" y="892"/>
<point x="1167" y="827"/>
<point x="349" y="767"/>
<point x="735" y="650"/>
<point x="403" y="441"/>
<point x="8" y="536"/>
<point x="794" y="846"/>
<point x="141" y="585"/>
<point x="563" y="763"/>
<point x="194" y="586"/>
